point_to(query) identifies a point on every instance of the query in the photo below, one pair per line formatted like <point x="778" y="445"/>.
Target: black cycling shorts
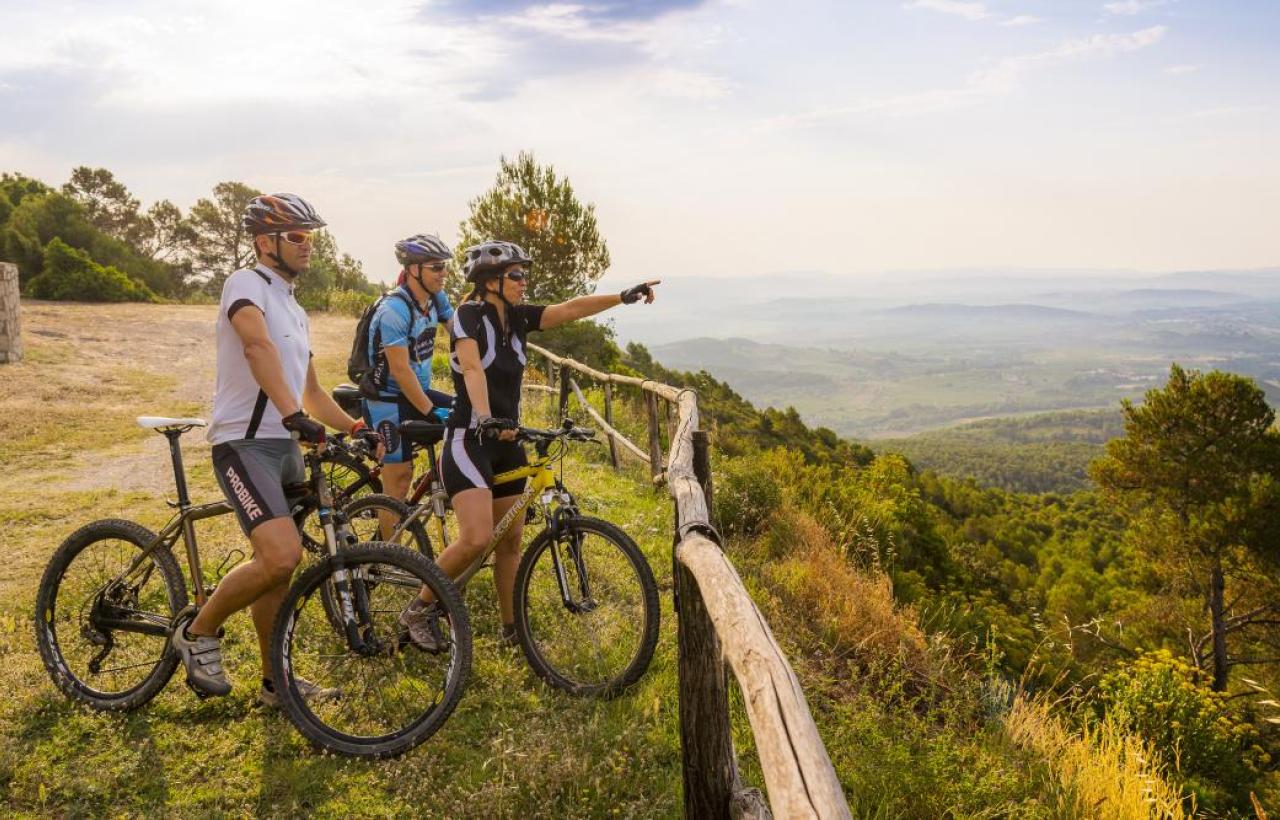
<point x="253" y="474"/>
<point x="468" y="463"/>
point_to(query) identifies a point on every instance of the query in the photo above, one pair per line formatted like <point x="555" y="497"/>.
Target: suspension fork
<point x="352" y="597"/>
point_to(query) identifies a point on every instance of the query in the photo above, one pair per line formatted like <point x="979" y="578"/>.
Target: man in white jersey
<point x="265" y="379"/>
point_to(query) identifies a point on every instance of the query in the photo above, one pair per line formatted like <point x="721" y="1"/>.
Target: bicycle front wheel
<point x="391" y="695"/>
<point x="586" y="608"/>
<point x="101" y="628"/>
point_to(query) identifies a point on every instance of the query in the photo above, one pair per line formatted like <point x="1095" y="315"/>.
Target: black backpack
<point x="359" y="369"/>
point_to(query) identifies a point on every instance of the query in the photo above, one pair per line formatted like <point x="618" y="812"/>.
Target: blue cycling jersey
<point x="395" y="324"/>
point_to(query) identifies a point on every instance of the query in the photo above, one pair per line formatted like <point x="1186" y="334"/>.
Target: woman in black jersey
<point x="488" y="334"/>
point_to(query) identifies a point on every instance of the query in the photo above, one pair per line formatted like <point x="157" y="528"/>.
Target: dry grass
<point x="852" y="612"/>
<point x="1101" y="773"/>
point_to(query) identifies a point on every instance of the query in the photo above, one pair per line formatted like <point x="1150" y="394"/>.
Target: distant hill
<point x="1018" y="312"/>
<point x="1045" y="452"/>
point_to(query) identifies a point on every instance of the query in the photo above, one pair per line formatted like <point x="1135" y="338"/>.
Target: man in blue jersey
<point x="402" y="338"/>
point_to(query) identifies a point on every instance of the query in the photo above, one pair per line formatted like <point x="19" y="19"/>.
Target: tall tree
<point x="167" y="235"/>
<point x="107" y="202"/>
<point x="538" y="210"/>
<point x="1197" y="477"/>
<point x="221" y="244"/>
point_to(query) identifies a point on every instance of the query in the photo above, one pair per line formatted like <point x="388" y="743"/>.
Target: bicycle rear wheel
<point x="371" y="517"/>
<point x="393" y="695"/>
<point x="102" y="631"/>
<point x="586" y="608"/>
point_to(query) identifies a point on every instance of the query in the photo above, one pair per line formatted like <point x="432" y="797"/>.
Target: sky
<point x="718" y="138"/>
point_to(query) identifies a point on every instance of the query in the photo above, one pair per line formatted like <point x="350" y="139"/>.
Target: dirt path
<point x="145" y="360"/>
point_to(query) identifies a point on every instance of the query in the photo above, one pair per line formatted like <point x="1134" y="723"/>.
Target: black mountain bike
<point x="113" y="592"/>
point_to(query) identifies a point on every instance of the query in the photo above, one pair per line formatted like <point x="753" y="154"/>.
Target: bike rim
<point x="591" y="643"/>
<point x="385" y="695"/>
<point x="125" y="659"/>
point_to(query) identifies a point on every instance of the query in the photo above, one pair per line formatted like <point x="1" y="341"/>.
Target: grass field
<point x="514" y="748"/>
<point x="74" y="454"/>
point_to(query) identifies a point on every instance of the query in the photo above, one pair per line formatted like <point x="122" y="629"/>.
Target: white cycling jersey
<point x="241" y="410"/>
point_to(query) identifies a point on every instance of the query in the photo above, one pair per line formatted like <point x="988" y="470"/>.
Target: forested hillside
<point x="1044" y="452"/>
<point x="1101" y="598"/>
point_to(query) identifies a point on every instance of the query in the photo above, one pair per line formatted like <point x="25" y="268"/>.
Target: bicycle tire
<point x="55" y="645"/>
<point x="554" y="670"/>
<point x="415" y="534"/>
<point x="343" y="471"/>
<point x="302" y="645"/>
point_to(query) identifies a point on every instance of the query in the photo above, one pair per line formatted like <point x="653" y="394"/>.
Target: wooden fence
<point x="718" y="625"/>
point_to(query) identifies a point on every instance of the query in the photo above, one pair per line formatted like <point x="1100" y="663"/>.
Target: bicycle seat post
<point x="179" y="474"/>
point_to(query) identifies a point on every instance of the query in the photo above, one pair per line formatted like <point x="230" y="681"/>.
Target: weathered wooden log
<point x="799" y="777"/>
<point x="665" y="391"/>
<point x="682" y="480"/>
<point x="604" y="425"/>
<point x="10" y="315"/>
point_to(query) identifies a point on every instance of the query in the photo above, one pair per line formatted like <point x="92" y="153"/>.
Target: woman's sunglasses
<point x="517" y="275"/>
<point x="297" y="237"/>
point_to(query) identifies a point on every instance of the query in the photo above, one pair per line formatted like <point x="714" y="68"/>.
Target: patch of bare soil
<point x="124" y="361"/>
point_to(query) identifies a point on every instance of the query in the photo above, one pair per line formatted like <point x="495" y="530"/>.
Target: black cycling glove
<point x="307" y="428"/>
<point x="632" y="295"/>
<point x="490" y="427"/>
<point x="369" y="438"/>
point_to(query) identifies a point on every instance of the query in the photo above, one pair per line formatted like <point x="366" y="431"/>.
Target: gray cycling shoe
<point x="309" y="691"/>
<point x="423" y="627"/>
<point x="202" y="657"/>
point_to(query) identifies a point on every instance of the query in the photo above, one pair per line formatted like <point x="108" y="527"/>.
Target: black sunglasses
<point x="517" y="275"/>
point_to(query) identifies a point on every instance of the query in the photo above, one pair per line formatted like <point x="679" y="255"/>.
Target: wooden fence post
<point x="551" y="382"/>
<point x="655" y="434"/>
<point x="710" y="767"/>
<point x="608" y="416"/>
<point x="564" y="396"/>
<point x="702" y="469"/>
<point x="10" y="326"/>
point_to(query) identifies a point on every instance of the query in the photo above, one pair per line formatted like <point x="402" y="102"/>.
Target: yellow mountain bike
<point x="586" y="603"/>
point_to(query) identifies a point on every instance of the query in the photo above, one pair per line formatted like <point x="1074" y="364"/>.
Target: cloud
<point x="1021" y="20"/>
<point x="1181" y="69"/>
<point x="984" y="84"/>
<point x="1132" y="7"/>
<point x="608" y="11"/>
<point x="967" y="10"/>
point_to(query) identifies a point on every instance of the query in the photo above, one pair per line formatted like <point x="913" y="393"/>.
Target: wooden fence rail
<point x="719" y="628"/>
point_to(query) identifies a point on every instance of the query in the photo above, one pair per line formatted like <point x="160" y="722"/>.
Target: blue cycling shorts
<point x="385" y="417"/>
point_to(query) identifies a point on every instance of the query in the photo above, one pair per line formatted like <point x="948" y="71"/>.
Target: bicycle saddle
<point x="422" y="432"/>
<point x="348" y="397"/>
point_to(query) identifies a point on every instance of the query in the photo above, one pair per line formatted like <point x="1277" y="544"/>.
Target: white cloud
<point x="1181" y="69"/>
<point x="999" y="80"/>
<point x="1021" y="20"/>
<point x="1132" y="7"/>
<point x="967" y="10"/>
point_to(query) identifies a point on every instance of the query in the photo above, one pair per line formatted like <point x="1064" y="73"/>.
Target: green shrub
<point x="746" y="495"/>
<point x="70" y="275"/>
<point x="350" y="302"/>
<point x="1169" y="703"/>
